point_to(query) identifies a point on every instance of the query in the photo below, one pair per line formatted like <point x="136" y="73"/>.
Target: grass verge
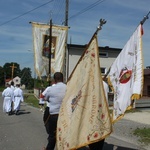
<point x="144" y="135"/>
<point x="30" y="99"/>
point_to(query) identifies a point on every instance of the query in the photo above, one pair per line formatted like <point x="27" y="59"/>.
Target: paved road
<point x="23" y="132"/>
<point x="27" y="132"/>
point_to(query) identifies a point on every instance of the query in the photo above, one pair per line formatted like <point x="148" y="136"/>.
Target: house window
<point x="103" y="54"/>
<point x="103" y="70"/>
<point x="16" y="80"/>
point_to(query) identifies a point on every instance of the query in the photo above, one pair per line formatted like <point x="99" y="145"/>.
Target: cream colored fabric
<point x="126" y="74"/>
<point x="41" y="46"/>
<point x="84" y="116"/>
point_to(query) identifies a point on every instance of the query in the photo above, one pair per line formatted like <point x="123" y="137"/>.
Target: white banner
<point x="126" y="74"/>
<point x="41" y="47"/>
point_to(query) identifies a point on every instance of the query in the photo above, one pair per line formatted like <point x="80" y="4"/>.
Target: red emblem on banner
<point x="125" y="75"/>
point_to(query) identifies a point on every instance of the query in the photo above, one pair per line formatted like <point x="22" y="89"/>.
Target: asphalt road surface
<point x="26" y="131"/>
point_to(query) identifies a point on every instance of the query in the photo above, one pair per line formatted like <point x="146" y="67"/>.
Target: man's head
<point x="17" y="85"/>
<point x="58" y="77"/>
<point x="12" y="83"/>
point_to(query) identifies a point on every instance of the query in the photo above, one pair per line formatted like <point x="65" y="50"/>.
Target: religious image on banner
<point x="126" y="75"/>
<point x="84" y="114"/>
<point x="46" y="46"/>
<point x="41" y="48"/>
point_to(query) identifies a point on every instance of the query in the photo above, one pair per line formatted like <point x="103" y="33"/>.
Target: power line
<point x="86" y="9"/>
<point x="26" y="13"/>
<point x="75" y="15"/>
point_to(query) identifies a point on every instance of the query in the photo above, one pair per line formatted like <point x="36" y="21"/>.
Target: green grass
<point x="133" y="110"/>
<point x="31" y="100"/>
<point x="144" y="135"/>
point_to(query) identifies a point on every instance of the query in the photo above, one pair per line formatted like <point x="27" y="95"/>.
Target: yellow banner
<point x="84" y="117"/>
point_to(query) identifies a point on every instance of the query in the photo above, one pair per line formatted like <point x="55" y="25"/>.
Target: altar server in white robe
<point x="7" y="95"/>
<point x="18" y="98"/>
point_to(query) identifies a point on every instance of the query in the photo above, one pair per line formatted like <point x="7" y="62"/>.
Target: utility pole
<point x="66" y="69"/>
<point x="66" y="12"/>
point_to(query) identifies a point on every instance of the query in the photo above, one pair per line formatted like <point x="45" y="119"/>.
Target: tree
<point x="26" y="78"/>
<point x="11" y="70"/>
<point x="2" y="76"/>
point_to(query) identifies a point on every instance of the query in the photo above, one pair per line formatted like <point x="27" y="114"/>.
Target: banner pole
<point x="50" y="46"/>
<point x="145" y="18"/>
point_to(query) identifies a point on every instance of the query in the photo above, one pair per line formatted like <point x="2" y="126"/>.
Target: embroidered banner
<point x="41" y="47"/>
<point x="126" y="74"/>
<point x="84" y="117"/>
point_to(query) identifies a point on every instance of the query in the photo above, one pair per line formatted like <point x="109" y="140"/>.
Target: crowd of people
<point x="53" y="95"/>
<point x="54" y="100"/>
<point x="12" y="98"/>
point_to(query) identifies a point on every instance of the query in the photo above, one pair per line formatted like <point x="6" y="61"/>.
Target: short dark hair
<point x="12" y="83"/>
<point x="58" y="77"/>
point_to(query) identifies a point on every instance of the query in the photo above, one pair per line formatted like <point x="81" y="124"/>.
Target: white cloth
<point x="18" y="98"/>
<point x="12" y="87"/>
<point x="45" y="93"/>
<point x="55" y="95"/>
<point x="106" y="89"/>
<point x="41" y="101"/>
<point x="7" y="94"/>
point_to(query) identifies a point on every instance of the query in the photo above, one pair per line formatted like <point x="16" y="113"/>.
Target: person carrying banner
<point x="46" y="111"/>
<point x="7" y="95"/>
<point x="54" y="95"/>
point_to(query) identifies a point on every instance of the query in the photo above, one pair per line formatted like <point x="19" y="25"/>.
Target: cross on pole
<point x="12" y="70"/>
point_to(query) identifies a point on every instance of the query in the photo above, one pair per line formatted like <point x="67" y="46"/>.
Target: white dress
<point x="7" y="95"/>
<point x="18" y="98"/>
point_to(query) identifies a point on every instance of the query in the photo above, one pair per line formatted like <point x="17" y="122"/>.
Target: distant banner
<point x="126" y="74"/>
<point x="41" y="47"/>
<point x="84" y="116"/>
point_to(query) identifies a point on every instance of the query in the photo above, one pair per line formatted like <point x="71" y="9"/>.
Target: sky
<point x="122" y="16"/>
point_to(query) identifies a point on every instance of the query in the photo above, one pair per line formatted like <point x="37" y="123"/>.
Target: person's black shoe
<point x="17" y="112"/>
<point x="9" y="113"/>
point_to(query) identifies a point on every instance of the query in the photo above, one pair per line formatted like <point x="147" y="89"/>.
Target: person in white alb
<point x="18" y="98"/>
<point x="7" y="95"/>
<point x="55" y="95"/>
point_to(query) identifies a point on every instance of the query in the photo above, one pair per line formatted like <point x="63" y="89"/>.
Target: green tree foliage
<point x="11" y="70"/>
<point x="2" y="76"/>
<point x="26" y="78"/>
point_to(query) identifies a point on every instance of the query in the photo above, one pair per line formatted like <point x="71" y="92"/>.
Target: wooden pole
<point x="50" y="46"/>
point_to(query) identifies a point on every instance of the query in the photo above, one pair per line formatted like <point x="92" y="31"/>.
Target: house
<point x="16" y="80"/>
<point x="146" y="87"/>
<point x="107" y="57"/>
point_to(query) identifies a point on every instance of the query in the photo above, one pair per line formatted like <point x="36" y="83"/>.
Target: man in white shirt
<point x="55" y="95"/>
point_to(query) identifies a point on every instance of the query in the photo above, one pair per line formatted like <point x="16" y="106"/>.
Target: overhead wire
<point x="59" y="8"/>
<point x="26" y="13"/>
<point x="87" y="8"/>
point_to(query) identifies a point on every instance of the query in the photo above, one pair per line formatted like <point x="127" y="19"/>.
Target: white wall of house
<point x="76" y="51"/>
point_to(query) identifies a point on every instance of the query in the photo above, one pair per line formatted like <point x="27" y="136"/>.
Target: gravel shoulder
<point x="123" y="129"/>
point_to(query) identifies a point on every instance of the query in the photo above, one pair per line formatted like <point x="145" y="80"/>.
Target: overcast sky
<point x="122" y="16"/>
